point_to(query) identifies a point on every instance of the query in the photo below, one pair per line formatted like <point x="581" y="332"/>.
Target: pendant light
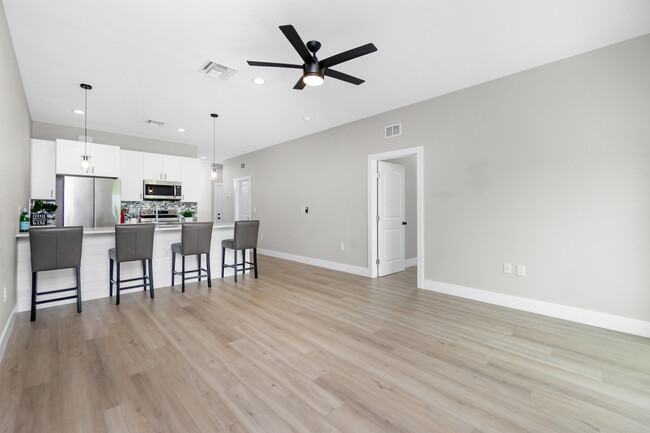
<point x="213" y="169"/>
<point x="85" y="158"/>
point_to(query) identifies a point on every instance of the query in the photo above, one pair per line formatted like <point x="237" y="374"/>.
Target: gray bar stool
<point x="195" y="240"/>
<point x="55" y="248"/>
<point x="132" y="242"/>
<point x="245" y="238"/>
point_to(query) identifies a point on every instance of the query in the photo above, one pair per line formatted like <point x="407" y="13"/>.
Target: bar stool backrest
<point x="55" y="247"/>
<point x="246" y="234"/>
<point x="133" y="242"/>
<point x="196" y="238"/>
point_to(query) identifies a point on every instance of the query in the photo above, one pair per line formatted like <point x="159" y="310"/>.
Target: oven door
<point x="159" y="190"/>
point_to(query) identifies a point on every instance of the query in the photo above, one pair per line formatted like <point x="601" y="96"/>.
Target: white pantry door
<point x="391" y="189"/>
<point x="243" y="198"/>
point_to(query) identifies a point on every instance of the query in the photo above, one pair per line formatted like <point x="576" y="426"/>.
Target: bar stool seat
<point x="245" y="237"/>
<point x="133" y="242"/>
<point x="55" y="248"/>
<point x="195" y="240"/>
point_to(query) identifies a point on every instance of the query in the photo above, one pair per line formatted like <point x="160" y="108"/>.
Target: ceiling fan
<point x="314" y="70"/>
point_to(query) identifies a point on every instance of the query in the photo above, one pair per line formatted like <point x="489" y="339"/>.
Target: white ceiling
<point x="143" y="58"/>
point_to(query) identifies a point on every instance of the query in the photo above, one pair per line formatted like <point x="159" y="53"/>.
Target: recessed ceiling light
<point x="78" y="111"/>
<point x="306" y="118"/>
<point x="259" y="81"/>
<point x="181" y="130"/>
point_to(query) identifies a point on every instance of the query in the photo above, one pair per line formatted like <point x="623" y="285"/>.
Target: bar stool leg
<point x="223" y="259"/>
<point x="144" y="275"/>
<point x="235" y="256"/>
<point x="33" y="316"/>
<point x="110" y="276"/>
<point x="117" y="283"/>
<point x="151" y="279"/>
<point x="173" y="266"/>
<point x="183" y="274"/>
<point x="207" y="258"/>
<point x="199" y="258"/>
<point x="243" y="262"/>
<point x="78" y="289"/>
<point x="255" y="260"/>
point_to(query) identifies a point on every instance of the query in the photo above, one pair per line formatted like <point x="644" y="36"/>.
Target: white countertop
<point x="107" y="230"/>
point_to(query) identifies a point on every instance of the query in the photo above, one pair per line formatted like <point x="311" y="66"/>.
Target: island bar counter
<point x="94" y="264"/>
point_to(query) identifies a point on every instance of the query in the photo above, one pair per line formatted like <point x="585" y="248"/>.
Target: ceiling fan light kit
<point x="314" y="71"/>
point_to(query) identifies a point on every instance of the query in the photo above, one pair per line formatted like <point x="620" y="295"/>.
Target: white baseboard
<point x="573" y="314"/>
<point x="411" y="262"/>
<point x="350" y="269"/>
<point x="6" y="333"/>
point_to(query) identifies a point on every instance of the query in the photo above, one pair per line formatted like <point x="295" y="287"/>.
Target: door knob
<point x="403" y="223"/>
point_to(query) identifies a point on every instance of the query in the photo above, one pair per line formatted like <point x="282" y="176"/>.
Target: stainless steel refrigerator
<point x="88" y="201"/>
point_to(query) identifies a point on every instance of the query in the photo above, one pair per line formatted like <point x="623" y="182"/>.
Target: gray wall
<point x="50" y="131"/>
<point x="14" y="165"/>
<point x="548" y="167"/>
<point x="410" y="203"/>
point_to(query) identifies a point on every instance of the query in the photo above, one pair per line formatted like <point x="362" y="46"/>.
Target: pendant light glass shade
<point x="213" y="169"/>
<point x="85" y="158"/>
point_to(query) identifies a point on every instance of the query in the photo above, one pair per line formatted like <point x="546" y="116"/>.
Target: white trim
<point x="418" y="151"/>
<point x="236" y="194"/>
<point x="573" y="314"/>
<point x="350" y="269"/>
<point x="6" y="333"/>
<point x="411" y="262"/>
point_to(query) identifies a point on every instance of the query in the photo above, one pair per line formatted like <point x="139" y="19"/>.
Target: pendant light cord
<point x="214" y="140"/>
<point x="86" y="122"/>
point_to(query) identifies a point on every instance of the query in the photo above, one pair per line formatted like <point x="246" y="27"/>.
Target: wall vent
<point x="242" y="165"/>
<point x="155" y="122"/>
<point x="393" y="130"/>
<point x="217" y="70"/>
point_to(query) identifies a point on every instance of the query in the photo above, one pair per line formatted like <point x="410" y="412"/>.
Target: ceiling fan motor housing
<point x="313" y="68"/>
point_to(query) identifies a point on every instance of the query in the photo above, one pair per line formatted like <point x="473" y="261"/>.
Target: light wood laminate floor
<point x="303" y="349"/>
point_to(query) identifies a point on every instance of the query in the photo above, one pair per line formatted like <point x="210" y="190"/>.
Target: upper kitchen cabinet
<point x="104" y="159"/>
<point x="162" y="167"/>
<point x="131" y="174"/>
<point x="191" y="170"/>
<point x="43" y="170"/>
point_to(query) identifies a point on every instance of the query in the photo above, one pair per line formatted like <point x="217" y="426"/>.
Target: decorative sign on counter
<point x="38" y="219"/>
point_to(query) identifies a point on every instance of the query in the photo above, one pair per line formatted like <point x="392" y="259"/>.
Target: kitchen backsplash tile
<point x="133" y="208"/>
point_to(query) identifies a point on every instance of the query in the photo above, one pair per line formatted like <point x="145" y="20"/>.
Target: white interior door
<point x="392" y="213"/>
<point x="243" y="198"/>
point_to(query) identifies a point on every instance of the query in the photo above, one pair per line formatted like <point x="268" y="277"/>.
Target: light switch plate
<point x="507" y="268"/>
<point x="521" y="270"/>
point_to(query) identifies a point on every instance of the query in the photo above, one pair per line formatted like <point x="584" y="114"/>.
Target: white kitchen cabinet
<point x="131" y="174"/>
<point x="104" y="159"/>
<point x="162" y="167"/>
<point x="43" y="168"/>
<point x="191" y="178"/>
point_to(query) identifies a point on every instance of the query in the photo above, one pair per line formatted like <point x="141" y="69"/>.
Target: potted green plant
<point x="188" y="215"/>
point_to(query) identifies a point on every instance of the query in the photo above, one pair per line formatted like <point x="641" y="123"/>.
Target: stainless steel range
<point x="159" y="216"/>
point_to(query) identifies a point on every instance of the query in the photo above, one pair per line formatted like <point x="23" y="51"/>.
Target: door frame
<point x="236" y="193"/>
<point x="418" y="151"/>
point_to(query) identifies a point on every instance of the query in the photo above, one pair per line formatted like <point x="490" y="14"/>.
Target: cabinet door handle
<point x="93" y="170"/>
<point x="165" y="176"/>
<point x="140" y="196"/>
<point x="51" y="193"/>
<point x="160" y="175"/>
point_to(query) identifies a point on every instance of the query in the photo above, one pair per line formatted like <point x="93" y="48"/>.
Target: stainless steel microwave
<point x="162" y="190"/>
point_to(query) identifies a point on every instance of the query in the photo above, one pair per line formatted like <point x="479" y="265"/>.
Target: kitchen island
<point x="94" y="264"/>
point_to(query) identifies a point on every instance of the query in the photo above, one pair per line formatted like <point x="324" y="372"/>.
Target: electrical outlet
<point x="521" y="270"/>
<point x="342" y="246"/>
<point x="261" y="236"/>
<point x="507" y="268"/>
<point x="5" y="295"/>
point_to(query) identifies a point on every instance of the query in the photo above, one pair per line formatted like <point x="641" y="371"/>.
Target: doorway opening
<point x="391" y="235"/>
<point x="242" y="198"/>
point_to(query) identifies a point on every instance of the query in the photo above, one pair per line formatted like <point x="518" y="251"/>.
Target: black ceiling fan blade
<point x="299" y="85"/>
<point x="348" y="55"/>
<point x="297" y="43"/>
<point x="343" y="77"/>
<point x="274" y="65"/>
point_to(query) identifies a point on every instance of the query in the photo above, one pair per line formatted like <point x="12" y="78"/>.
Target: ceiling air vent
<point x="155" y="122"/>
<point x="216" y="70"/>
<point x="393" y="130"/>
